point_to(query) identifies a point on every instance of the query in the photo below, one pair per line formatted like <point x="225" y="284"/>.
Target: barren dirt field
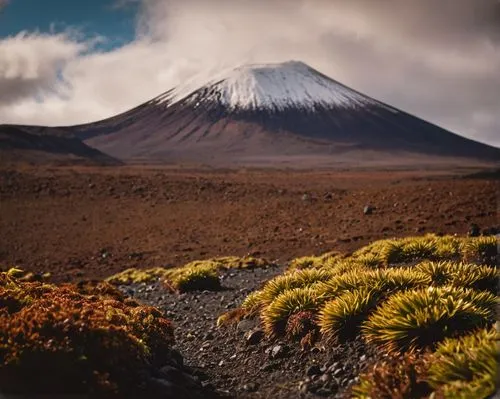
<point x="86" y="222"/>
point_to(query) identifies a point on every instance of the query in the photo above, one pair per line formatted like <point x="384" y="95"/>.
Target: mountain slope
<point x="275" y="113"/>
<point x="41" y="145"/>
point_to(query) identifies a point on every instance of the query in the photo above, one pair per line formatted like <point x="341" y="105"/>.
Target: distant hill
<point x="47" y="145"/>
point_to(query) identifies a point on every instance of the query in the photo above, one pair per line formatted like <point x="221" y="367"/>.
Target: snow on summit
<point x="277" y="87"/>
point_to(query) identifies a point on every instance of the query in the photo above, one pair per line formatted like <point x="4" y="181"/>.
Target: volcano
<point x="275" y="113"/>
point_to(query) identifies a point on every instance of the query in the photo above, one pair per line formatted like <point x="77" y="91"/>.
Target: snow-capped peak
<point x="276" y="87"/>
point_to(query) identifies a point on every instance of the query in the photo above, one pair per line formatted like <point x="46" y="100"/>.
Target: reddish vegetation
<point x="77" y="339"/>
<point x="92" y="222"/>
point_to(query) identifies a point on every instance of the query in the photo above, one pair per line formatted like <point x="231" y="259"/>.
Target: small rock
<point x="313" y="370"/>
<point x="250" y="387"/>
<point x="269" y="367"/>
<point x="368" y="210"/>
<point x="337" y="372"/>
<point x="325" y="378"/>
<point x="278" y="351"/>
<point x="208" y="336"/>
<point x="253" y="337"/>
<point x="303" y="387"/>
<point x="474" y="230"/>
<point x="362" y="358"/>
<point x="306" y="197"/>
<point x="323" y="392"/>
<point x="245" y="325"/>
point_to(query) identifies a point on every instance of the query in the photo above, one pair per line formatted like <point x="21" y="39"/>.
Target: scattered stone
<point x="313" y="370"/>
<point x="253" y="337"/>
<point x="304" y="387"/>
<point x="245" y="325"/>
<point x="278" y="351"/>
<point x="269" y="367"/>
<point x="474" y="230"/>
<point x="250" y="387"/>
<point x="306" y="197"/>
<point x="323" y="392"/>
<point x="362" y="358"/>
<point x="368" y="210"/>
<point x="208" y="336"/>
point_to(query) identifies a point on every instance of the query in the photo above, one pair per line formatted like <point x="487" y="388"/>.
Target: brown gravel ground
<point x="85" y="222"/>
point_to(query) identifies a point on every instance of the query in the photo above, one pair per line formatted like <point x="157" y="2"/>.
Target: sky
<point x="68" y="62"/>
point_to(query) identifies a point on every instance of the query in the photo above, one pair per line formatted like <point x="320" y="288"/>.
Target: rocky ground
<point x="237" y="361"/>
<point x="86" y="222"/>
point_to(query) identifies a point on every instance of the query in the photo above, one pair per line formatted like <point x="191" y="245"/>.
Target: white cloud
<point x="439" y="62"/>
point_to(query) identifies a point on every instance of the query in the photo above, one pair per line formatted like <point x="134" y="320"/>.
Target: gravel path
<point x="223" y="358"/>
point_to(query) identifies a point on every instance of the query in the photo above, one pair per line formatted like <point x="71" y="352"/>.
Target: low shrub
<point x="74" y="340"/>
<point x="399" y="377"/>
<point x="424" y="317"/>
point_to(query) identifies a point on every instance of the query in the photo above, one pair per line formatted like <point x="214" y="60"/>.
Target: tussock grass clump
<point x="341" y="318"/>
<point x="466" y="367"/>
<point x="195" y="279"/>
<point x="410" y="249"/>
<point x="482" y="250"/>
<point x="399" y="377"/>
<point x="305" y="262"/>
<point x="76" y="339"/>
<point x="275" y="315"/>
<point x="288" y="281"/>
<point x="136" y="276"/>
<point x="460" y="275"/>
<point x="196" y="275"/>
<point x="424" y="317"/>
<point x="315" y="262"/>
<point x="385" y="280"/>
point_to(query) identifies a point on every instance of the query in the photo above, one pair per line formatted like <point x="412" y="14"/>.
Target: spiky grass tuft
<point x="253" y="302"/>
<point x="424" y="317"/>
<point x="341" y="318"/>
<point x="482" y="250"/>
<point x="275" y="315"/>
<point x="460" y="275"/>
<point x="295" y="279"/>
<point x="466" y="367"/>
<point x="195" y="279"/>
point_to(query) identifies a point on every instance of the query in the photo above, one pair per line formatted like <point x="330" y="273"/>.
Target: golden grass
<point x="424" y="317"/>
<point x="189" y="276"/>
<point x="275" y="316"/>
<point x="466" y="367"/>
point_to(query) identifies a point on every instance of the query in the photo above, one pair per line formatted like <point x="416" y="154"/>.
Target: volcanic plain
<point x="89" y="222"/>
